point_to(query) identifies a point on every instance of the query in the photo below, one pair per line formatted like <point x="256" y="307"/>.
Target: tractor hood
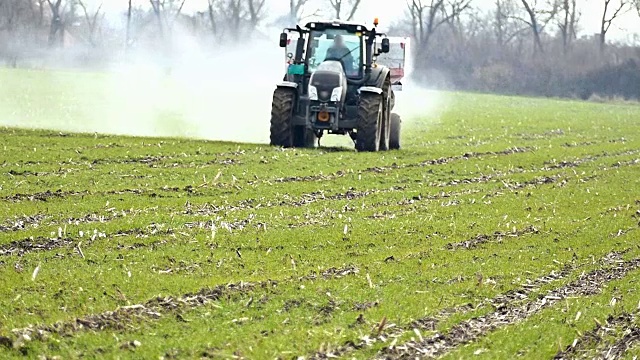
<point x="329" y="82"/>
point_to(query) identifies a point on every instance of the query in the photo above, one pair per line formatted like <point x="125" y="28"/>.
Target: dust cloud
<point x="216" y="94"/>
<point x="200" y="91"/>
<point x="417" y="103"/>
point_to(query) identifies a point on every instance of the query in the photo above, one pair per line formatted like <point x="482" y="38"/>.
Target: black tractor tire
<point x="369" y="122"/>
<point x="385" y="132"/>
<point x="303" y="137"/>
<point x="394" y="137"/>
<point x="393" y="100"/>
<point x="281" y="114"/>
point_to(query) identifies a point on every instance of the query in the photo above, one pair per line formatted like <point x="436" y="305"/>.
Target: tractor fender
<point x="378" y="75"/>
<point x="288" y="85"/>
<point x="370" y="89"/>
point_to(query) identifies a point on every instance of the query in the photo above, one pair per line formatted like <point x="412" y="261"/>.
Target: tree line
<point x="513" y="46"/>
<point x="524" y="47"/>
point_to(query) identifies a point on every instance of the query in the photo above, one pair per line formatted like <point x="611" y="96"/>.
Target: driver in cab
<point x="339" y="51"/>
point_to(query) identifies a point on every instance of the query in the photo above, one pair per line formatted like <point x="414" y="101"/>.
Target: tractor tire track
<point x="551" y="165"/>
<point x="582" y="348"/>
<point x="383" y="169"/>
<point x="497" y="236"/>
<point x="123" y="318"/>
<point x="42" y="243"/>
<point x="22" y="223"/>
<point x="509" y="299"/>
<point x="193" y="191"/>
<point x="508" y="314"/>
<point x="25" y="246"/>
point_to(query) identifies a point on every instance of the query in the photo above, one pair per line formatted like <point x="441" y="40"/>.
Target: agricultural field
<point x="506" y="227"/>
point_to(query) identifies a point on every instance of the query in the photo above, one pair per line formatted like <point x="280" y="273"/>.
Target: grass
<point x="171" y="247"/>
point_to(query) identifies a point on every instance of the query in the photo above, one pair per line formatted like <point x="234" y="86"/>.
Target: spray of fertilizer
<point x="216" y="93"/>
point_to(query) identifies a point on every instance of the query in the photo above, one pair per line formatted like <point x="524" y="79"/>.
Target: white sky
<point x="392" y="10"/>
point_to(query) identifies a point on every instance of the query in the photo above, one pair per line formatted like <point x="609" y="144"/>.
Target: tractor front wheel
<point x="369" y="122"/>
<point x="281" y="114"/>
<point x="283" y="132"/>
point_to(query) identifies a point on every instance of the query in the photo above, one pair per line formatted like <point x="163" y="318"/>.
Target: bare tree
<point x="452" y="12"/>
<point x="92" y="20"/>
<point x="612" y="11"/>
<point x="10" y="14"/>
<point x="567" y="23"/>
<point x="233" y="14"/>
<point x="427" y="17"/>
<point x="37" y="9"/>
<point x="212" y="15"/>
<point x="166" y="13"/>
<point x="350" y="7"/>
<point x="539" y="15"/>
<point x="56" y="29"/>
<point x="505" y="24"/>
<point x="297" y="10"/>
<point x="128" y="35"/>
<point x="256" y="12"/>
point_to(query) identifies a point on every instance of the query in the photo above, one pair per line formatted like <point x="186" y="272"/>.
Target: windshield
<point x="336" y="45"/>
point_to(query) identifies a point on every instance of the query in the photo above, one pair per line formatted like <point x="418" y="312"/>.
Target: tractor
<point x="333" y="85"/>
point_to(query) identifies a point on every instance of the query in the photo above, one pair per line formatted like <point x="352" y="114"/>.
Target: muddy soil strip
<point x="503" y="303"/>
<point x="123" y="317"/>
<point x="582" y="348"/>
<point x="497" y="236"/>
<point x="44" y="196"/>
<point x="305" y="199"/>
<point x="507" y="314"/>
<point x="22" y="223"/>
<point x="150" y="161"/>
<point x="58" y="194"/>
<point x="153" y="160"/>
<point x="445" y="160"/>
<point x="25" y="173"/>
<point x="25" y="246"/>
<point x="42" y="243"/>
<point x="619" y="348"/>
<point x="439" y="161"/>
<point x="27" y="222"/>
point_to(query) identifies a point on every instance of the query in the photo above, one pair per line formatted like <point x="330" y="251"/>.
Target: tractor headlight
<point x="313" y="93"/>
<point x="336" y="95"/>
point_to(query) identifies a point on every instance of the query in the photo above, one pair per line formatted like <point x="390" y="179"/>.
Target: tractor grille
<point x="325" y="82"/>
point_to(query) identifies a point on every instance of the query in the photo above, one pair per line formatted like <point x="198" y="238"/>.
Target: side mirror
<point x="283" y="40"/>
<point x="385" y="46"/>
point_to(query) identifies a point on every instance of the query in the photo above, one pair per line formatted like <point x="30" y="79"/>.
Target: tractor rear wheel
<point x="303" y="137"/>
<point x="394" y="137"/>
<point x="385" y="132"/>
<point x="369" y="122"/>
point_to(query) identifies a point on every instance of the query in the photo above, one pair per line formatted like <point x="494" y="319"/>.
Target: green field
<point x="506" y="227"/>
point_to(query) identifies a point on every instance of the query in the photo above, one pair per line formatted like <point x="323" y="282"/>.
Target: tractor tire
<point x="394" y="137"/>
<point x="393" y="100"/>
<point x="304" y="138"/>
<point x="369" y="122"/>
<point x="385" y="132"/>
<point x="282" y="133"/>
